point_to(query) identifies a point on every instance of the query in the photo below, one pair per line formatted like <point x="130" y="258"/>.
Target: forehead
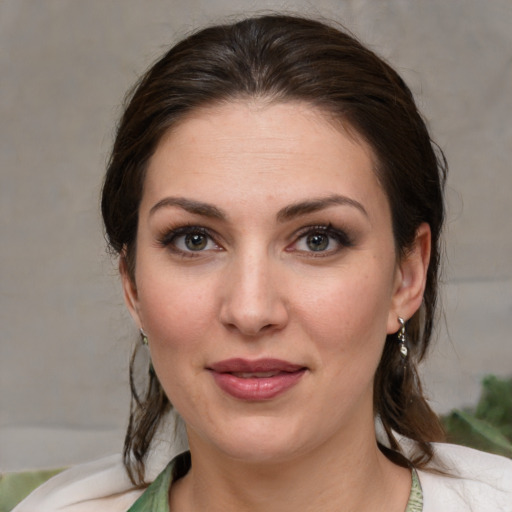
<point x="256" y="150"/>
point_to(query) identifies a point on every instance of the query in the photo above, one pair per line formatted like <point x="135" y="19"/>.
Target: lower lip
<point x="257" y="389"/>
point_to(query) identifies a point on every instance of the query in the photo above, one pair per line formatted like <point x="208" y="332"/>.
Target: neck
<point x="356" y="477"/>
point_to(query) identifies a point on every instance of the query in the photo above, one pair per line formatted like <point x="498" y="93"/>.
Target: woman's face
<point x="267" y="278"/>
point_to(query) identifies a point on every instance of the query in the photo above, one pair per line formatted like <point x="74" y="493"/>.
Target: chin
<point x="259" y="440"/>
<point x="261" y="453"/>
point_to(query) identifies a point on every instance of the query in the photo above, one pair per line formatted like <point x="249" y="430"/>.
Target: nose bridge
<point x="253" y="301"/>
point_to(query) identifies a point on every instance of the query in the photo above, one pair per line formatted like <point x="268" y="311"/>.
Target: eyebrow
<point x="190" y="205"/>
<point x="285" y="214"/>
<point x="315" y="205"/>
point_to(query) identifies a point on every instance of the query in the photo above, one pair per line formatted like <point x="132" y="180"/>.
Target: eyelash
<point x="343" y="240"/>
<point x="338" y="235"/>
<point x="169" y="237"/>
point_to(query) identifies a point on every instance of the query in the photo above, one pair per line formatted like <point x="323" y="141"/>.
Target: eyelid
<point x="168" y="236"/>
<point x="342" y="238"/>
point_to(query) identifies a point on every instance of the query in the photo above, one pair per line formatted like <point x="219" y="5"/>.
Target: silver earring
<point x="402" y="338"/>
<point x="144" y="341"/>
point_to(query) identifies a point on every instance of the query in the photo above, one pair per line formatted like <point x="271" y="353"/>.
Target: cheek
<point x="347" y="314"/>
<point x="175" y="312"/>
<point x="176" y="318"/>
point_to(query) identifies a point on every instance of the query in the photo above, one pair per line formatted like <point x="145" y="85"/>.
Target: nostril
<point x="251" y="327"/>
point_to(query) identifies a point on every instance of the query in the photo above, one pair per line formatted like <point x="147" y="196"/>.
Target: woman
<point x="276" y="203"/>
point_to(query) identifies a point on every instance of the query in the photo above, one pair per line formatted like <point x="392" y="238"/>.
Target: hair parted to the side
<point x="279" y="59"/>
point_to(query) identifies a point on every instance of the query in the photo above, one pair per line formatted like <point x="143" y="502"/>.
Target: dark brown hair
<point x="282" y="58"/>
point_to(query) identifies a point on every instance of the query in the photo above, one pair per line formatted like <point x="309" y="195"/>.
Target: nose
<point x="253" y="299"/>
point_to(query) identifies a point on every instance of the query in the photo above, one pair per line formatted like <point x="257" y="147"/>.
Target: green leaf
<point x="495" y="405"/>
<point x="464" y="428"/>
<point x="16" y="486"/>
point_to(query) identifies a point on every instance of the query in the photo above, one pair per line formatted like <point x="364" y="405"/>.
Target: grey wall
<point x="65" y="65"/>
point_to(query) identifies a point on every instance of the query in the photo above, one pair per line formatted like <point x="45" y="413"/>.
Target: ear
<point x="410" y="280"/>
<point x="131" y="298"/>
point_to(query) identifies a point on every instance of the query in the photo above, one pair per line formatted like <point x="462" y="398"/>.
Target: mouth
<point x="258" y="380"/>
<point x="254" y="375"/>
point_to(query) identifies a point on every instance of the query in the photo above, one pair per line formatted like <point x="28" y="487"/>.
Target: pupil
<point x="195" y="242"/>
<point x="318" y="242"/>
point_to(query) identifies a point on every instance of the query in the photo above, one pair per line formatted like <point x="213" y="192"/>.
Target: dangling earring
<point x="402" y="338"/>
<point x="144" y="341"/>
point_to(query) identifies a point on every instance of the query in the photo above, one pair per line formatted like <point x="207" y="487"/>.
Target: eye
<point x="189" y="239"/>
<point x="317" y="242"/>
<point x="321" y="240"/>
<point x="192" y="241"/>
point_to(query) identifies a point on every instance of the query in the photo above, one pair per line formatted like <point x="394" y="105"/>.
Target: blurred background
<point x="65" y="66"/>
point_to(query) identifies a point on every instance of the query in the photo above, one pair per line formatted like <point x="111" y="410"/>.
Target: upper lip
<point x="254" y="366"/>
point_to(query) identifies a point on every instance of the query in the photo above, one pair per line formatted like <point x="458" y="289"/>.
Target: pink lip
<point x="256" y="388"/>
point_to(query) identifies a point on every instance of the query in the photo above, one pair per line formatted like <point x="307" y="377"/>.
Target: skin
<point x="256" y="289"/>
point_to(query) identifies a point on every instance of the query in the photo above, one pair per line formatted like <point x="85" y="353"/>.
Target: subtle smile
<point x="258" y="380"/>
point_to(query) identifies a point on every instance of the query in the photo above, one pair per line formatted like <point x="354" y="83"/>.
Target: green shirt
<point x="156" y="497"/>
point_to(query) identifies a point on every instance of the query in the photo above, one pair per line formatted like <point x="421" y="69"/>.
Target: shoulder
<point x="474" y="481"/>
<point x="103" y="484"/>
<point x="99" y="485"/>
